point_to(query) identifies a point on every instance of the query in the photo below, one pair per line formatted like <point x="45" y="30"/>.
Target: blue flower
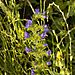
<point x="27" y="49"/>
<point x="44" y="17"/>
<point x="43" y="12"/>
<point x="46" y="44"/>
<point x="32" y="72"/>
<point x="28" y="23"/>
<point x="37" y="10"/>
<point x="49" y="52"/>
<point x="43" y="35"/>
<point x="48" y="63"/>
<point x="46" y="28"/>
<point x="26" y="35"/>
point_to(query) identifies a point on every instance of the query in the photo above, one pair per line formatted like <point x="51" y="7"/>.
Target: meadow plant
<point x="35" y="46"/>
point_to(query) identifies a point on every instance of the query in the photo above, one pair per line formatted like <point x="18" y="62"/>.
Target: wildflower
<point x="48" y="52"/>
<point x="27" y="50"/>
<point x="28" y="23"/>
<point x="46" y="28"/>
<point x="48" y="63"/>
<point x="26" y="35"/>
<point x="37" y="10"/>
<point x="32" y="72"/>
<point x="44" y="16"/>
<point x="43" y="35"/>
<point x="46" y="44"/>
<point x="59" y="54"/>
<point x="43" y="12"/>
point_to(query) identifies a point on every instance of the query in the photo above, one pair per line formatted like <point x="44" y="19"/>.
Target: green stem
<point x="31" y="6"/>
<point x="44" y="8"/>
<point x="53" y="56"/>
<point x="41" y="6"/>
<point x="5" y="62"/>
<point x="44" y="5"/>
<point x="70" y="55"/>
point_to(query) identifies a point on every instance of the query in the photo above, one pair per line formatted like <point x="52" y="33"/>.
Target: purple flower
<point x="46" y="44"/>
<point x="48" y="52"/>
<point x="43" y="12"/>
<point x="28" y="23"/>
<point x="37" y="10"/>
<point x="43" y="35"/>
<point x="27" y="49"/>
<point x="48" y="63"/>
<point x="44" y="16"/>
<point x="26" y="35"/>
<point x="46" y="28"/>
<point x="32" y="72"/>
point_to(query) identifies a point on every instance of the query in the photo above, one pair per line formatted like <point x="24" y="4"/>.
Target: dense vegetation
<point x="37" y="37"/>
